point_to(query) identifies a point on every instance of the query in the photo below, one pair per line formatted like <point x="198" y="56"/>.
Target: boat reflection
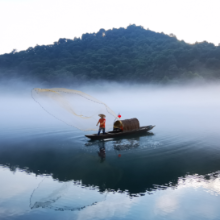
<point x="101" y="151"/>
<point x="120" y="145"/>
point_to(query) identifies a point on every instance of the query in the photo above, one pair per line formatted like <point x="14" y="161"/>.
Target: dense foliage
<point x="131" y="54"/>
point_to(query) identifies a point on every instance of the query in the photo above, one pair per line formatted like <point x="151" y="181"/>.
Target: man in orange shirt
<point x="102" y="124"/>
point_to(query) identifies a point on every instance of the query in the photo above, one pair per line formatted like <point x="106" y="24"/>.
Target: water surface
<point x="49" y="170"/>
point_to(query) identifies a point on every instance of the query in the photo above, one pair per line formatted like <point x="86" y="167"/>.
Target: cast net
<point x="73" y="107"/>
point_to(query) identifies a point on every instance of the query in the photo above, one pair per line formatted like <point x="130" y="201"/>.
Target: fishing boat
<point x="123" y="128"/>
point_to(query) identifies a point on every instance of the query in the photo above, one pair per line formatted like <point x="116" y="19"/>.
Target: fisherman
<point x="102" y="123"/>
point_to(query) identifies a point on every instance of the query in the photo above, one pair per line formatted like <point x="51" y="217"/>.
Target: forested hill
<point x="131" y="54"/>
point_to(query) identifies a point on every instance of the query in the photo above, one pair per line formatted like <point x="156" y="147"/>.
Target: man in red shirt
<point x="101" y="121"/>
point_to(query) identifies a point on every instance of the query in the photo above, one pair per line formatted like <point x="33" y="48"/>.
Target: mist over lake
<point x="51" y="170"/>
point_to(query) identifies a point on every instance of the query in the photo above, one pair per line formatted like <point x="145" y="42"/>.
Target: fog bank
<point x="189" y="108"/>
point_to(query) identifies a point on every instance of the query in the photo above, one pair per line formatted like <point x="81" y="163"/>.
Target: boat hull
<point x="113" y="134"/>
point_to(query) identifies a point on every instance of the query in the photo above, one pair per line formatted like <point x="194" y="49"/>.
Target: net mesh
<point x="74" y="107"/>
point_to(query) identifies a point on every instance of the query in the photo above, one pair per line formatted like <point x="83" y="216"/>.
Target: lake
<point x="49" y="170"/>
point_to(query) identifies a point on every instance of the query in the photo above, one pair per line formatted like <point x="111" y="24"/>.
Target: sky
<point x="26" y="23"/>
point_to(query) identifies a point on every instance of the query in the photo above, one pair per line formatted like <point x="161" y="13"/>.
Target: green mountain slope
<point x="131" y="54"/>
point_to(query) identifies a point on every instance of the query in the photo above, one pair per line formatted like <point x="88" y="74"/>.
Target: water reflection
<point x="75" y="196"/>
<point x="127" y="144"/>
<point x="88" y="202"/>
<point x="89" y="180"/>
<point x="62" y="196"/>
<point x="118" y="145"/>
<point x="101" y="151"/>
<point x="143" y="164"/>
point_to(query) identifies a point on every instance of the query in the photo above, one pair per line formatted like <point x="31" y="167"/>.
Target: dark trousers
<point x="103" y="130"/>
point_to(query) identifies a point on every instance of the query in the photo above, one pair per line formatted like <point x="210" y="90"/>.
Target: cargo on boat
<point x="123" y="128"/>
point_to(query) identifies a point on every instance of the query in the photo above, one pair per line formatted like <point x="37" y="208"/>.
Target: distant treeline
<point x="131" y="54"/>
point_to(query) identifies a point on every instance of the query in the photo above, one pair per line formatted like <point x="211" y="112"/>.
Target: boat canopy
<point x="127" y="124"/>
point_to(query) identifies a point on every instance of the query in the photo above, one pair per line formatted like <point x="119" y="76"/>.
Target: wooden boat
<point x="123" y="128"/>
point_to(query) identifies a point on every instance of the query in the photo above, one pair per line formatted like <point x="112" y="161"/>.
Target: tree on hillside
<point x="125" y="54"/>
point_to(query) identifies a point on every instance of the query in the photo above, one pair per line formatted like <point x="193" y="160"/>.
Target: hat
<point x="102" y="115"/>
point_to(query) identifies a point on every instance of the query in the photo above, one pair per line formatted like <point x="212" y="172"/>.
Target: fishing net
<point x="73" y="107"/>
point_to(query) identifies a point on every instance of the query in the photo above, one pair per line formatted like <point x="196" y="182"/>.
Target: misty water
<point x="49" y="170"/>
